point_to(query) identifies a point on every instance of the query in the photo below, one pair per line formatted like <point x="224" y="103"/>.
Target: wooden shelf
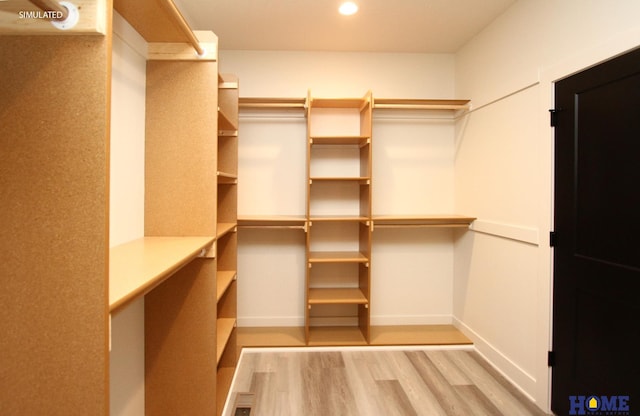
<point x="272" y="103"/>
<point x="225" y="122"/>
<point x="436" y="220"/>
<point x="336" y="335"/>
<point x="358" y="103"/>
<point x="340" y="140"/>
<point x="338" y="218"/>
<point x="378" y="103"/>
<point x="223" y="281"/>
<point x="273" y="221"/>
<point x="224" y="328"/>
<point x="227" y="178"/>
<point x="362" y="180"/>
<point x="380" y="335"/>
<point x="419" y="104"/>
<point x="335" y="296"/>
<point x="337" y="257"/>
<point x="137" y="267"/>
<point x="165" y="29"/>
<point x="224" y="228"/>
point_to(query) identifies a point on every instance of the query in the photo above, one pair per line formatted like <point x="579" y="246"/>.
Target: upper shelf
<point x="293" y="222"/>
<point x="420" y="104"/>
<point x="135" y="268"/>
<point x="272" y="103"/>
<point x="169" y="36"/>
<point x="340" y="140"/>
<point x="445" y="220"/>
<point x="378" y="103"/>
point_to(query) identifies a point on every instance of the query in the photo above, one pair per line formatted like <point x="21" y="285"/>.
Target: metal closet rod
<point x="52" y="6"/>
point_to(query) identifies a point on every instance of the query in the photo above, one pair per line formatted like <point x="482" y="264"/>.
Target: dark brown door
<point x="596" y="307"/>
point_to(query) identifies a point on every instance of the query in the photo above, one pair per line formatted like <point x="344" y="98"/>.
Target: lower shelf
<point x="223" y="334"/>
<point x="336" y="335"/>
<point x="223" y="384"/>
<point x="380" y="335"/>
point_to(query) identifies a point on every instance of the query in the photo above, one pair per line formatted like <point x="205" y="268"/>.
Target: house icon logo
<point x="593" y="403"/>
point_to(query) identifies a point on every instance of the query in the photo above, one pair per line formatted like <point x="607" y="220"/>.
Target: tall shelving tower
<point x="338" y="210"/>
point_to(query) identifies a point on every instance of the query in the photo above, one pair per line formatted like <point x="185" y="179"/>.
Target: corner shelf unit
<point x="173" y="266"/>
<point x="226" y="236"/>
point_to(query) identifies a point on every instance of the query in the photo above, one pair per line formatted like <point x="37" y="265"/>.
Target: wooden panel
<point x="54" y="112"/>
<point x="272" y="102"/>
<point x="339" y="335"/>
<point x="228" y="99"/>
<point x="228" y="154"/>
<point x="152" y="19"/>
<point x="223" y="281"/>
<point x="336" y="257"/>
<point x="17" y="18"/>
<point x="435" y="220"/>
<point x="417" y="335"/>
<point x="137" y="267"/>
<point x="225" y="377"/>
<point x="273" y="221"/>
<point x="420" y="104"/>
<point x="228" y="203"/>
<point x="336" y="296"/>
<point x="181" y="148"/>
<point x="180" y="343"/>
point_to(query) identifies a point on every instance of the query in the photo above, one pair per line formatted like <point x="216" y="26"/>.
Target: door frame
<point x="589" y="57"/>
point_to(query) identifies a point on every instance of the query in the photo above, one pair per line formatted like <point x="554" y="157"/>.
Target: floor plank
<point x="378" y="381"/>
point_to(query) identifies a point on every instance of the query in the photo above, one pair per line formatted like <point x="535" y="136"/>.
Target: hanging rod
<point x="420" y="104"/>
<point x="52" y="6"/>
<point x="270" y="102"/>
<point x="184" y="27"/>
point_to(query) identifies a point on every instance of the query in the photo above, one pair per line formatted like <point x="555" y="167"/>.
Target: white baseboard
<point x="522" y="380"/>
<point x="382" y="320"/>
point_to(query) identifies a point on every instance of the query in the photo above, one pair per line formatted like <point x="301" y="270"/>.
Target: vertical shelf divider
<point x="227" y="238"/>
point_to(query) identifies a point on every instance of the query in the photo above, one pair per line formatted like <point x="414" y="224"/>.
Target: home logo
<point x="599" y="405"/>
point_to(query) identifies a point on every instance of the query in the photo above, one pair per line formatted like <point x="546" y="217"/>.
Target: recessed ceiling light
<point x="348" y="8"/>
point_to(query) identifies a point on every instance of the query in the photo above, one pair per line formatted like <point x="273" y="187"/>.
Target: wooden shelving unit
<point x="173" y="265"/>
<point x="227" y="237"/>
<point x="345" y="301"/>
<point x="323" y="265"/>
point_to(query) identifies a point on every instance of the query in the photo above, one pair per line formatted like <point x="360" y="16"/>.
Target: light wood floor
<point x="370" y="382"/>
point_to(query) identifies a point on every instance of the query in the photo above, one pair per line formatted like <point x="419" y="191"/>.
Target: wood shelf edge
<point x="224" y="278"/>
<point x="225" y="228"/>
<point x="224" y="328"/>
<point x="135" y="268"/>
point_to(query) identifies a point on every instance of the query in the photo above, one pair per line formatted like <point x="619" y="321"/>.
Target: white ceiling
<point x="431" y="26"/>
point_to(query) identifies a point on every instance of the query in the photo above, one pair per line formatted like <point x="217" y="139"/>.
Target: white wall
<point x="503" y="171"/>
<point x="412" y="271"/>
<point x="126" y="217"/>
